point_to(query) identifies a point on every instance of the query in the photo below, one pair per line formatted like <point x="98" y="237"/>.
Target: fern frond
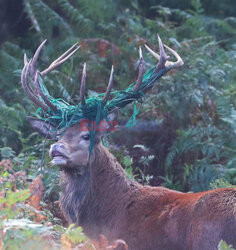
<point x="40" y="12"/>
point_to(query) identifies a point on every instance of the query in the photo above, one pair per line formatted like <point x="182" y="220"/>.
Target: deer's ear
<point x="113" y="115"/>
<point x="43" y="128"/>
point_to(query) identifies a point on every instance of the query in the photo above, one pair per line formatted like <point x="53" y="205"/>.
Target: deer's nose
<point x="57" y="146"/>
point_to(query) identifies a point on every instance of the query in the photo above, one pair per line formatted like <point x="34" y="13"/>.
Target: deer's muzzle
<point x="58" y="155"/>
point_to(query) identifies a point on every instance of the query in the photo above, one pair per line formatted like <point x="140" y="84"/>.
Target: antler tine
<point x="35" y="59"/>
<point x="40" y="92"/>
<point x="176" y="64"/>
<point x="140" y="71"/>
<point x="30" y="69"/>
<point x="60" y="60"/>
<point x="25" y="59"/>
<point x="163" y="56"/>
<point x="179" y="61"/>
<point x="28" y="90"/>
<point x="66" y="53"/>
<point x="82" y="86"/>
<point x="35" y="74"/>
<point x="152" y="52"/>
<point x="108" y="91"/>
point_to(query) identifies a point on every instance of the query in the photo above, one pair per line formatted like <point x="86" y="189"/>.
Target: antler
<point x="82" y="86"/>
<point x="83" y="82"/>
<point x="140" y="70"/>
<point x="121" y="99"/>
<point x="163" y="65"/>
<point x="30" y="71"/>
<point x="163" y="62"/>
<point x="163" y="57"/>
<point x="109" y="86"/>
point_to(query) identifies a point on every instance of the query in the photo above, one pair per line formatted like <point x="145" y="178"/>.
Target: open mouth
<point x="58" y="158"/>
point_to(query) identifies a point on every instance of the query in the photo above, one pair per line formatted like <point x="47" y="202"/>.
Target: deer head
<point x="73" y="147"/>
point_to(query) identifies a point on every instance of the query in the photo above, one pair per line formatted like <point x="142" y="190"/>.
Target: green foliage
<point x="7" y="153"/>
<point x="35" y="8"/>
<point x="24" y="234"/>
<point x="75" y="235"/>
<point x="224" y="246"/>
<point x="220" y="183"/>
<point x="10" y="201"/>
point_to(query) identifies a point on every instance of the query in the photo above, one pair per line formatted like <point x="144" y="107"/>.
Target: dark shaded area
<point x="13" y="20"/>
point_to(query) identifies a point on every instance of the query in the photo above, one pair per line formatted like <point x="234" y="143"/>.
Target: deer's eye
<point x="85" y="137"/>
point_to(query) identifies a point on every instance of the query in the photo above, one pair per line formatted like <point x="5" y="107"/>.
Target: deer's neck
<point x="94" y="198"/>
<point x="106" y="175"/>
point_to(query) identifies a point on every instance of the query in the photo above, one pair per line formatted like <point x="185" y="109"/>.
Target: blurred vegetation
<point x="186" y="136"/>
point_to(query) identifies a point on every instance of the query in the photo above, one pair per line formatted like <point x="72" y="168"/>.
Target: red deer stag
<point x="97" y="195"/>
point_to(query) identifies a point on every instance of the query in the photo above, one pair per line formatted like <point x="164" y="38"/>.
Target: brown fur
<point x="145" y="217"/>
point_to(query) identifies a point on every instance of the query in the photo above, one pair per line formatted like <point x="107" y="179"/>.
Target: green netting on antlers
<point x="95" y="110"/>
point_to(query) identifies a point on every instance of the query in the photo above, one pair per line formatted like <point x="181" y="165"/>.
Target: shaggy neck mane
<point x="93" y="199"/>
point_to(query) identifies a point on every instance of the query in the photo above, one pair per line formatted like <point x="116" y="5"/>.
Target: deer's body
<point x="95" y="191"/>
<point x="103" y="201"/>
